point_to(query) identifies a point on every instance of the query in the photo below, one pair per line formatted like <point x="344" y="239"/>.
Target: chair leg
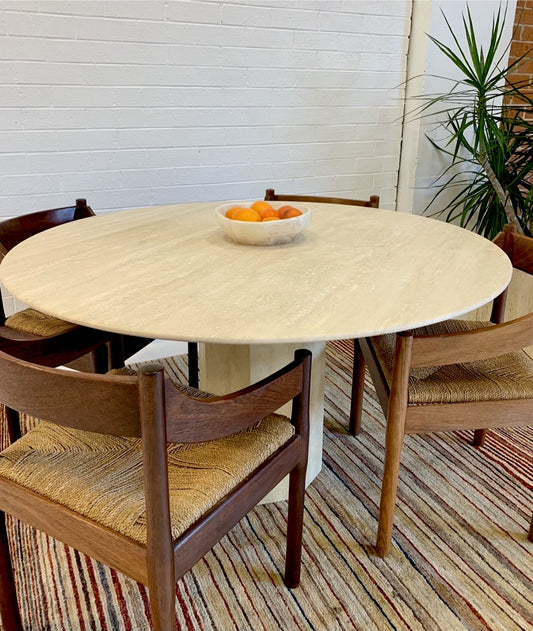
<point x="358" y="383"/>
<point x="13" y="425"/>
<point x="162" y="604"/>
<point x="192" y="354"/>
<point x="530" y="535"/>
<point x="132" y="344"/>
<point x="479" y="437"/>
<point x="391" y="468"/>
<point x="9" y="610"/>
<point x="162" y="586"/>
<point x="100" y="359"/>
<point x="116" y="352"/>
<point x="293" y="556"/>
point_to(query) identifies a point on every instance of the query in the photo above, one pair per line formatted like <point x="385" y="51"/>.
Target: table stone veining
<point x="169" y="272"/>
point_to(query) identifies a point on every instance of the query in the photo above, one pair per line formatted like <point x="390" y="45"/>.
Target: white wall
<point x="425" y="162"/>
<point x="135" y="103"/>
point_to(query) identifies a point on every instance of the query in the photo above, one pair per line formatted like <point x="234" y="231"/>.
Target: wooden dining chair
<point x="272" y="196"/>
<point x="146" y="476"/>
<point x="35" y="336"/>
<point x="450" y="376"/>
<point x="39" y="338"/>
<point x="356" y="400"/>
<point x="43" y="339"/>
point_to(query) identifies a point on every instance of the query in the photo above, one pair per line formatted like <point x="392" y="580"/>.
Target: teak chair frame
<point x="64" y="347"/>
<point x="417" y="351"/>
<point x="356" y="400"/>
<point x="147" y="405"/>
<point x="272" y="196"/>
<point x="106" y="349"/>
<point x="103" y="349"/>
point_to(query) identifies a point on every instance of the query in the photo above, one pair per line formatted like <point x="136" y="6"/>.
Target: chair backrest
<point x="98" y="403"/>
<point x="241" y="409"/>
<point x="125" y="405"/>
<point x="486" y="342"/>
<point x="519" y="249"/>
<point x="16" y="229"/>
<point x="373" y="202"/>
<point x="473" y="345"/>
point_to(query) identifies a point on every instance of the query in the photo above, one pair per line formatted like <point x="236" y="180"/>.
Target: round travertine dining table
<point x="169" y="272"/>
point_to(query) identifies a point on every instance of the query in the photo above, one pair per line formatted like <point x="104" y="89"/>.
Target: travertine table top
<point x="170" y="272"/>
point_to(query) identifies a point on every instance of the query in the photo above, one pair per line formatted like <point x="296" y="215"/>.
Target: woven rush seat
<point x="101" y="477"/>
<point x="37" y="323"/>
<point x="458" y="383"/>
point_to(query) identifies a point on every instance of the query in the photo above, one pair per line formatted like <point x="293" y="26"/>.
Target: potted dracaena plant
<point x="488" y="125"/>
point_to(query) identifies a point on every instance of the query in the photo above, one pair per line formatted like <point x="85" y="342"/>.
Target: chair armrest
<point x="52" y="350"/>
<point x="7" y="333"/>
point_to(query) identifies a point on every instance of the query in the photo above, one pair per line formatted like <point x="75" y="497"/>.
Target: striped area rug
<point x="460" y="560"/>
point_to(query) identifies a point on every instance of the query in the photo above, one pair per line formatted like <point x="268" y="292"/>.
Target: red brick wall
<point x="523" y="42"/>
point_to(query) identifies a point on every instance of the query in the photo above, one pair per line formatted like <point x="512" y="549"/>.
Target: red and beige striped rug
<point x="460" y="561"/>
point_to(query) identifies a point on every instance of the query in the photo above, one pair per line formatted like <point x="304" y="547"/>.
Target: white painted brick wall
<point x="135" y="103"/>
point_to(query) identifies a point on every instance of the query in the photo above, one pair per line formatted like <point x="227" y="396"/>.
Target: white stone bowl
<point x="263" y="233"/>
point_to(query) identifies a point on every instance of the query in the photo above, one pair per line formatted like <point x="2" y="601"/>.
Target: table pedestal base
<point x="225" y="368"/>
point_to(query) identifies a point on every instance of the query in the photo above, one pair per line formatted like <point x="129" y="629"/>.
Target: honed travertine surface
<point x="170" y="272"/>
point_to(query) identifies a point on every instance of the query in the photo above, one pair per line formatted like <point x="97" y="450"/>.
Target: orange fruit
<point x="231" y="212"/>
<point x="286" y="212"/>
<point x="261" y="205"/>
<point x="246" y="214"/>
<point x="270" y="218"/>
<point x="269" y="212"/>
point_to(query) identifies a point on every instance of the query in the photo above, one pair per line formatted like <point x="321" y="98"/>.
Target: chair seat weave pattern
<point x="37" y="323"/>
<point x="507" y="376"/>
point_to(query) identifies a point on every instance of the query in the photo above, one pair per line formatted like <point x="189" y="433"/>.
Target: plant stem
<point x="498" y="189"/>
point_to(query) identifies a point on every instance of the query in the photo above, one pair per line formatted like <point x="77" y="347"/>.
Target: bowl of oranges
<point x="261" y="222"/>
